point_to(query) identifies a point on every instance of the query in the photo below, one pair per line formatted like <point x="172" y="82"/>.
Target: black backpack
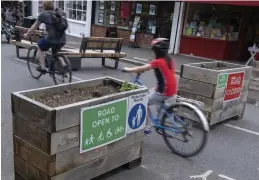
<point x="60" y="23"/>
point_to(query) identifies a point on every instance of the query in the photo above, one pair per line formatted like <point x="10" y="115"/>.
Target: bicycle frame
<point x="176" y="128"/>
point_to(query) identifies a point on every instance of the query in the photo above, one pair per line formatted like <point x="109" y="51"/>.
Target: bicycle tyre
<point x="58" y="65"/>
<point x="29" y="65"/>
<point x="166" y="138"/>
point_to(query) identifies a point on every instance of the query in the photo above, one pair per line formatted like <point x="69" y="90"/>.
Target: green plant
<point x="127" y="87"/>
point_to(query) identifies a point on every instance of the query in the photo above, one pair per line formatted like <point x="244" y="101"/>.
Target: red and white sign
<point x="234" y="86"/>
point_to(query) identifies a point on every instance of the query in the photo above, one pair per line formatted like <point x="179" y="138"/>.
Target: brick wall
<point x="143" y="39"/>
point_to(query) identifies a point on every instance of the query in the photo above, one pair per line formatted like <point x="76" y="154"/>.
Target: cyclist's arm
<point x="139" y="69"/>
<point x="34" y="27"/>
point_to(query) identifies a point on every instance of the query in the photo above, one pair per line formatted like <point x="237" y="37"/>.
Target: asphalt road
<point x="232" y="151"/>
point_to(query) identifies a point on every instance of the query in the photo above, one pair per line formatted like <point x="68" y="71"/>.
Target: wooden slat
<point x="212" y="105"/>
<point x="196" y="87"/>
<point x="93" y="55"/>
<point x="34" y="156"/>
<point x="32" y="111"/>
<point x="67" y="160"/>
<point x="28" y="171"/>
<point x="23" y="43"/>
<point x="102" y="165"/>
<point x="18" y="177"/>
<point x="72" y="158"/>
<point x="87" y="171"/>
<point x="199" y="74"/>
<point x="32" y="134"/>
<point x="227" y="113"/>
<point x="26" y="30"/>
<point x="195" y="72"/>
<point x="64" y="140"/>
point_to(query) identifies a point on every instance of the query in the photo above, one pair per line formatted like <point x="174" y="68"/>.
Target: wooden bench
<point x="25" y="43"/>
<point x="98" y="47"/>
<point x="91" y="47"/>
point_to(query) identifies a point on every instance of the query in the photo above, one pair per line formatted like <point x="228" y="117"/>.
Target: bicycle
<point x="55" y="68"/>
<point x="179" y="123"/>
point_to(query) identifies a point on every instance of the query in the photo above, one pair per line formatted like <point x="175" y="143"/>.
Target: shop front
<point x="78" y="15"/>
<point x="138" y="22"/>
<point x="219" y="31"/>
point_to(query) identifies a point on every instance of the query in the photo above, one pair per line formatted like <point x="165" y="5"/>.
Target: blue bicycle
<point x="179" y="122"/>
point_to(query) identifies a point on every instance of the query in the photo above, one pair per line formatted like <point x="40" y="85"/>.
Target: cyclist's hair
<point x="48" y="5"/>
<point x="164" y="54"/>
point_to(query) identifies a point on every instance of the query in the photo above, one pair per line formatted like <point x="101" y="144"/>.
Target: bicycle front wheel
<point x="185" y="134"/>
<point x="62" y="71"/>
<point x="33" y="62"/>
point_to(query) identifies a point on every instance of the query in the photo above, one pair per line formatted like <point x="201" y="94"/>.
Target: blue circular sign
<point x="137" y="116"/>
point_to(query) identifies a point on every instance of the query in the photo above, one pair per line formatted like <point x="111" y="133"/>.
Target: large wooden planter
<point x="47" y="139"/>
<point x="253" y="92"/>
<point x="208" y="84"/>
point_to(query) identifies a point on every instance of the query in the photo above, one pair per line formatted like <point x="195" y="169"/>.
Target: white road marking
<point x="141" y="59"/>
<point x="225" y="177"/>
<point x="242" y="129"/>
<point x="23" y="61"/>
<point x="202" y="176"/>
<point x="143" y="166"/>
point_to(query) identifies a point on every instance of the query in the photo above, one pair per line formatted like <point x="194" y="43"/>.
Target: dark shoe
<point x="43" y="71"/>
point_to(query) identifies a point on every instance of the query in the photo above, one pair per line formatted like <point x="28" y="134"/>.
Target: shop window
<point x="122" y="14"/>
<point x="220" y="22"/>
<point x="75" y="10"/>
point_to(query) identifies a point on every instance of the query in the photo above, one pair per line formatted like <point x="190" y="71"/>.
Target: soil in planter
<point x="218" y="66"/>
<point x="75" y="95"/>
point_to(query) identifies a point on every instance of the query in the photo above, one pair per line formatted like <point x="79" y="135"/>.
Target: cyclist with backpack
<point x="56" y="26"/>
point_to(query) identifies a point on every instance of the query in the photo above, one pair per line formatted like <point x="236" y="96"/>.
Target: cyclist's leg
<point x="43" y="45"/>
<point x="154" y="98"/>
<point x="55" y="49"/>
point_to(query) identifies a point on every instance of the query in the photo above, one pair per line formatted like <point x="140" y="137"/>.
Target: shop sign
<point x="222" y="81"/>
<point x="234" y="86"/>
<point x="137" y="112"/>
<point x="102" y="124"/>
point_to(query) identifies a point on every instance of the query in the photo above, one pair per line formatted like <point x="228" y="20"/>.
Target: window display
<point x="212" y="21"/>
<point x="75" y="10"/>
<point x="122" y="15"/>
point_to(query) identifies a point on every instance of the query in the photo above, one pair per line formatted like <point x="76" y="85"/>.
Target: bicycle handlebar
<point x="136" y="79"/>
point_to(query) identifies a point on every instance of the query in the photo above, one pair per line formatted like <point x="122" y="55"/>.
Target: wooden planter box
<point x="47" y="139"/>
<point x="253" y="92"/>
<point x="202" y="82"/>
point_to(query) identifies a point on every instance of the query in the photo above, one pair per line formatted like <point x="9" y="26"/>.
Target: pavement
<point x="231" y="153"/>
<point x="140" y="56"/>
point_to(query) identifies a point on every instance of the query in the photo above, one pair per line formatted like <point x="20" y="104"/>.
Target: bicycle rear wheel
<point x="33" y="62"/>
<point x="187" y="122"/>
<point x="61" y="73"/>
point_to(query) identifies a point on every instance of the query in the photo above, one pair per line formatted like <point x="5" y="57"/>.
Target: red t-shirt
<point x="166" y="79"/>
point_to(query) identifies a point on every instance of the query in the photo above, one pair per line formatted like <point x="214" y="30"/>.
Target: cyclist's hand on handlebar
<point x="125" y="70"/>
<point x="26" y="35"/>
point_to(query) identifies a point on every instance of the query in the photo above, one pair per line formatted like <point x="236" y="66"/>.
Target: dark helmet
<point x="160" y="44"/>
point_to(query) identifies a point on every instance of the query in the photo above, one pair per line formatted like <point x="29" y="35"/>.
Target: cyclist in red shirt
<point x="164" y="69"/>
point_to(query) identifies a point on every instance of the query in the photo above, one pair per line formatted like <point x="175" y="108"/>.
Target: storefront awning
<point x="237" y="3"/>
